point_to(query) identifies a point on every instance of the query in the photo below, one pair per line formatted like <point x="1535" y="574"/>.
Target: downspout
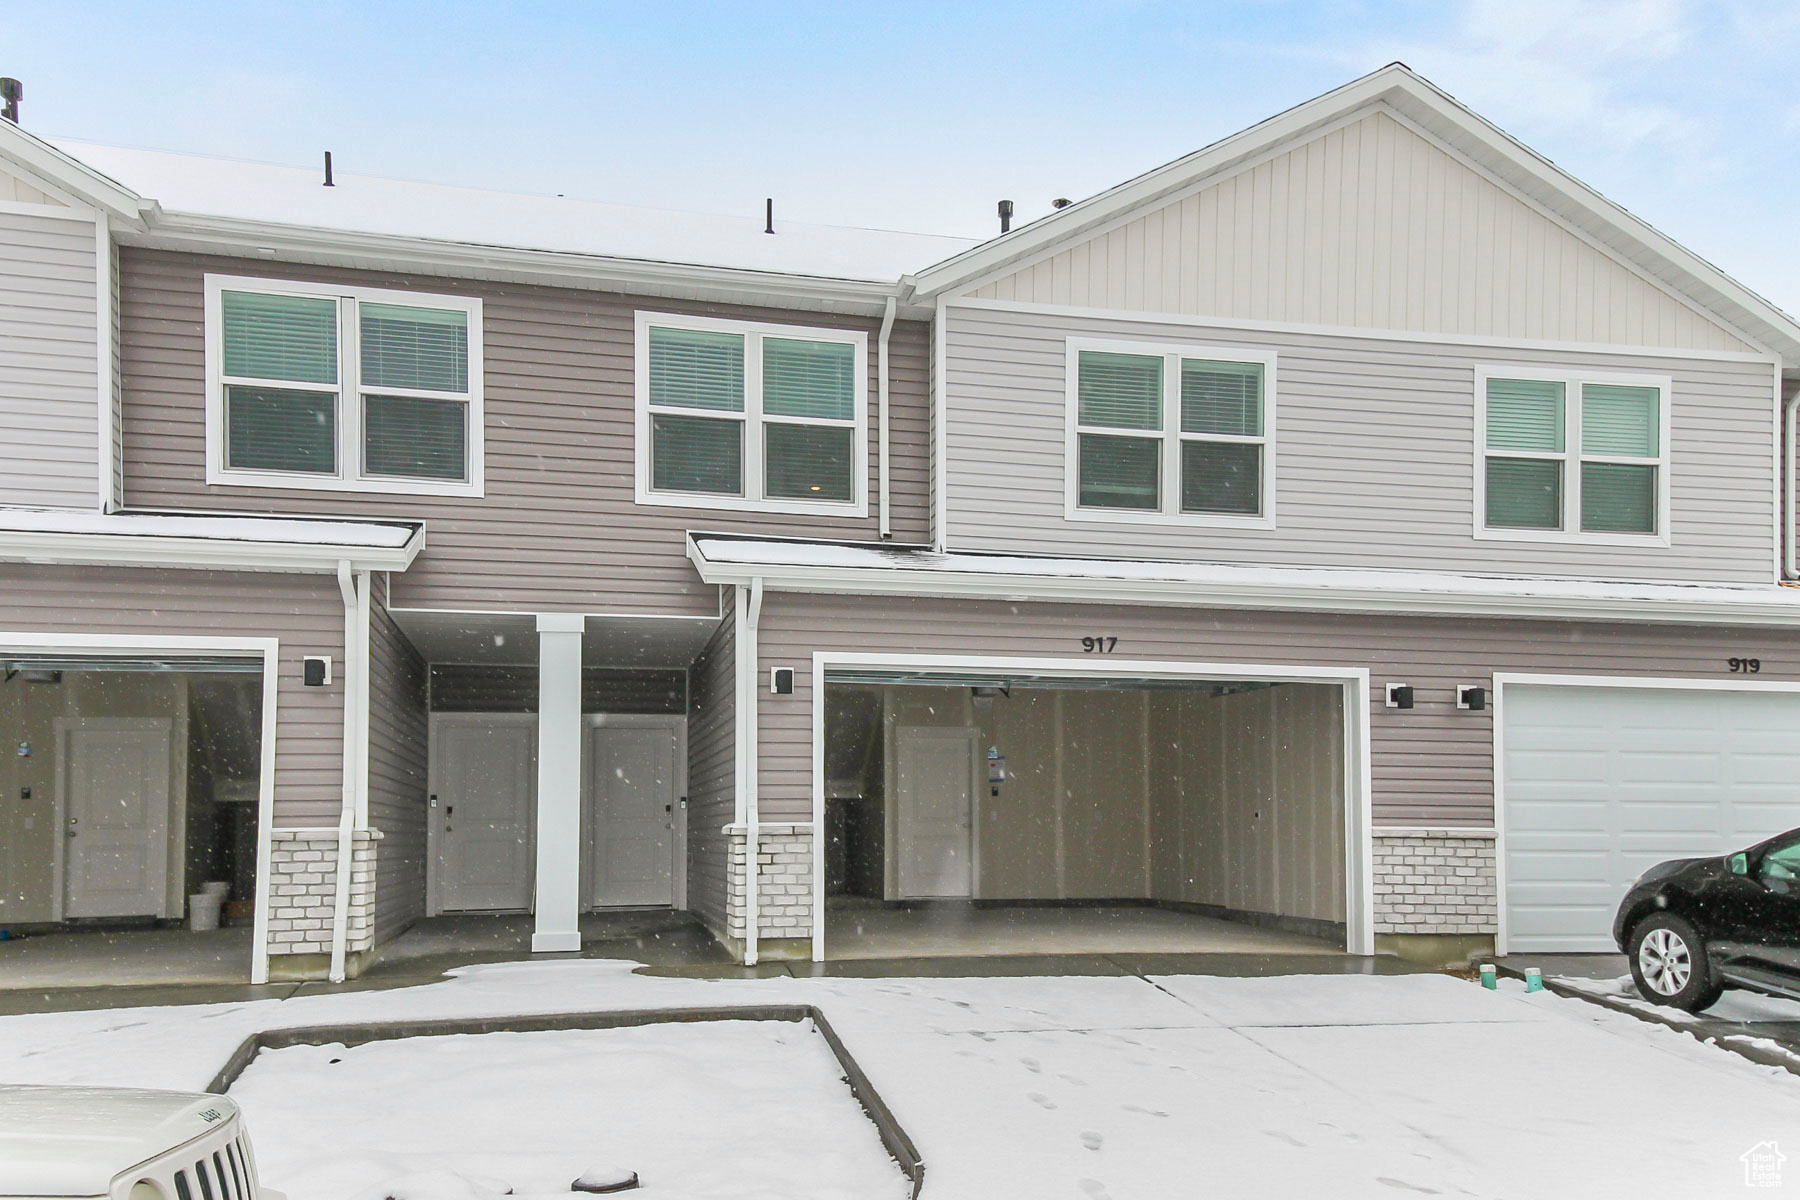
<point x="881" y="399"/>
<point x="340" y="909"/>
<point x="752" y="813"/>
<point x="1790" y="557"/>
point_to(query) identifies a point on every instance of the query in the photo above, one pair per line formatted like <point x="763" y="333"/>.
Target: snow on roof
<point x="369" y="535"/>
<point x="1227" y="583"/>
<point x="218" y="187"/>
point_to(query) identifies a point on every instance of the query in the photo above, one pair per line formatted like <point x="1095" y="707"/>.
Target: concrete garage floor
<point x="95" y="970"/>
<point x="962" y="931"/>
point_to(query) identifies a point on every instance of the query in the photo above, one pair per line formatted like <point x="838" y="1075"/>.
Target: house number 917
<point x="1098" y="645"/>
<point x="1744" y="666"/>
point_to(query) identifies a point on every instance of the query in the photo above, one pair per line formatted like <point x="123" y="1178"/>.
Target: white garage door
<point x="1601" y="782"/>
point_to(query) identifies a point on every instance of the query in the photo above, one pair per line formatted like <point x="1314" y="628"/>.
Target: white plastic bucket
<point x="216" y="887"/>
<point x="203" y="911"/>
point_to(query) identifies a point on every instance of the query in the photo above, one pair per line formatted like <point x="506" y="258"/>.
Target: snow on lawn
<point x="1074" y="1088"/>
<point x="738" y="1109"/>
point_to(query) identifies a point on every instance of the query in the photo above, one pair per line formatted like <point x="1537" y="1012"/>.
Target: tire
<point x="1669" y="964"/>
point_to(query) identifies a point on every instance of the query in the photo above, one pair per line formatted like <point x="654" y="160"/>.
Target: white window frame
<point x="1572" y="457"/>
<point x="753" y="418"/>
<point x="1171" y="436"/>
<point x="349" y="476"/>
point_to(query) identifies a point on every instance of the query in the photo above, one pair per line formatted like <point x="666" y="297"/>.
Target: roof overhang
<point x="70" y="178"/>
<point x="206" y="541"/>
<point x="888" y="570"/>
<point x="1400" y="90"/>
<point x="274" y="242"/>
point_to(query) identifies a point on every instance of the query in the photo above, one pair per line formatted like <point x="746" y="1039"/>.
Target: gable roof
<point x="1398" y="89"/>
<point x="21" y="149"/>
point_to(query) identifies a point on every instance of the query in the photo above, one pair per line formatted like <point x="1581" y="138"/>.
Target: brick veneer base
<point x="1435" y="881"/>
<point x="303" y="890"/>
<point x="784" y="900"/>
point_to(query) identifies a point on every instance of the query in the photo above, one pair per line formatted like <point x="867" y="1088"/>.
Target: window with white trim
<point x="1169" y="434"/>
<point x="1583" y="456"/>
<point x="733" y="414"/>
<point x="322" y="386"/>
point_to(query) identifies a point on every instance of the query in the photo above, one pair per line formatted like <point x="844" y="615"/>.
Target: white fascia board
<point x="273" y="242"/>
<point x="1223" y="592"/>
<point x="126" y="550"/>
<point x="70" y="178"/>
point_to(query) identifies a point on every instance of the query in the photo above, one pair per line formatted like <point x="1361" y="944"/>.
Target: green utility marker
<point x="1534" y="979"/>
<point x="1489" y="979"/>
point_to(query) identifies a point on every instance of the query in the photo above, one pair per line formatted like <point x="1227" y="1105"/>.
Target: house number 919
<point x="1098" y="645"/>
<point x="1744" y="666"/>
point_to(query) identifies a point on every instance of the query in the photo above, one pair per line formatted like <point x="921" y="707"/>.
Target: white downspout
<point x="340" y="908"/>
<point x="881" y="399"/>
<point x="752" y="693"/>
<point x="1790" y="545"/>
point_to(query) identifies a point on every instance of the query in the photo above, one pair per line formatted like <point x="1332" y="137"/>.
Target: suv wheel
<point x="1668" y="961"/>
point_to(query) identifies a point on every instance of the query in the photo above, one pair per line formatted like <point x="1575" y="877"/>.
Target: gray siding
<point x="304" y="611"/>
<point x="399" y="728"/>
<point x="1374" y="465"/>
<point x="712" y="775"/>
<point x="1432" y="764"/>
<point x="49" y="361"/>
<point x="558" y="527"/>
<point x="472" y="688"/>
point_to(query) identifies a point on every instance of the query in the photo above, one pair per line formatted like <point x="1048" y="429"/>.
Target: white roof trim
<point x="891" y="571"/>
<point x="239" y="543"/>
<point x="1436" y="113"/>
<point x="71" y="178"/>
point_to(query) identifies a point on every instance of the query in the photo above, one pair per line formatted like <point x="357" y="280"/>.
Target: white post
<point x="559" y="784"/>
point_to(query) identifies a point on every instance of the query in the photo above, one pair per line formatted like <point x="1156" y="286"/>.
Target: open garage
<point x="1600" y="779"/>
<point x="1020" y="811"/>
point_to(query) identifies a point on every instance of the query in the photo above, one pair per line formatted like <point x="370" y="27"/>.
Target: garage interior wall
<point x="213" y="767"/>
<point x="712" y="773"/>
<point x="1231" y="800"/>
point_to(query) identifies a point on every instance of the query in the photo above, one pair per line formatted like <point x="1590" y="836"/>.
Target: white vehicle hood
<point x="73" y="1141"/>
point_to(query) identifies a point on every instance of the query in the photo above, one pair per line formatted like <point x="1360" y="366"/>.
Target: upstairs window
<point x="1175" y="435"/>
<point x="311" y="385"/>
<point x="763" y="417"/>
<point x="1578" y="457"/>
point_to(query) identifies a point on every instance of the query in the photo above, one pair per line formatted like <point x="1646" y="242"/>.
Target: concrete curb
<point x="899" y="1144"/>
<point x="1737" y="1044"/>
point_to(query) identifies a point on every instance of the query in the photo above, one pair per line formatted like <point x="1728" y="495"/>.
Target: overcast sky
<point x="922" y="115"/>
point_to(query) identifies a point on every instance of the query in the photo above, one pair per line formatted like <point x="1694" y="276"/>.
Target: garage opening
<point x="1030" y="814"/>
<point x="129" y="810"/>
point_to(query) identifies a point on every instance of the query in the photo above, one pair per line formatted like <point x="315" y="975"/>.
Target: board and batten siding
<point x="399" y="731"/>
<point x="49" y="357"/>
<point x="558" y="527"/>
<point x="712" y="773"/>
<point x="305" y="612"/>
<point x="1432" y="764"/>
<point x="1374" y="464"/>
<point x="1373" y="226"/>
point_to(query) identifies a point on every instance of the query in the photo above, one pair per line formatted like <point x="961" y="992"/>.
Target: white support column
<point x="559" y="784"/>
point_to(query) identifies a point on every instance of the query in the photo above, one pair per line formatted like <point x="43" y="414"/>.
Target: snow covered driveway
<point x="1127" y="1088"/>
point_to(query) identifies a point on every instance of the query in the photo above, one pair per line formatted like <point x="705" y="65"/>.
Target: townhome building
<point x="1358" y="530"/>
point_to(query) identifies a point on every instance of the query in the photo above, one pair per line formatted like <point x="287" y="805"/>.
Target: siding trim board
<point x="1502" y="679"/>
<point x="1357" y="766"/>
<point x="265" y="649"/>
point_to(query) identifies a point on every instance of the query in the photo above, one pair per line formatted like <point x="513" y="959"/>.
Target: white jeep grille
<point x="215" y="1166"/>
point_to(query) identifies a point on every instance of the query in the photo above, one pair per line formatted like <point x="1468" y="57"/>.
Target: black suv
<point x="1693" y="927"/>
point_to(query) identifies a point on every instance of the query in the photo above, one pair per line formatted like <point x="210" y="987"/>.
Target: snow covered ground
<point x="1087" y="1088"/>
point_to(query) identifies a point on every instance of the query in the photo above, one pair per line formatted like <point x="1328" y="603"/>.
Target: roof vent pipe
<point x="11" y="91"/>
<point x="1006" y="211"/>
<point x="328" y="182"/>
<point x="769" y="215"/>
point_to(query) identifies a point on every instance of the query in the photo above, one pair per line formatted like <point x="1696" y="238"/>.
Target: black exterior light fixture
<point x="315" y="671"/>
<point x="1471" y="696"/>
<point x="1399" y="695"/>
